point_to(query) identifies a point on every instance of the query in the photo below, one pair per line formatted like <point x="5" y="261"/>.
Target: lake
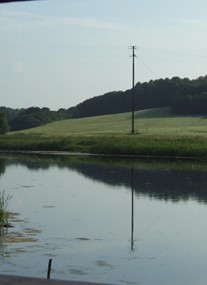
<point x="105" y="219"/>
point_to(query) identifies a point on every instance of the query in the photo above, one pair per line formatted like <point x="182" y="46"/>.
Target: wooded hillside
<point x="184" y="96"/>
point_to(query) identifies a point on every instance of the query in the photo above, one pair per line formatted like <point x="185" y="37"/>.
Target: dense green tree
<point x="35" y="116"/>
<point x="175" y="92"/>
<point x="4" y="127"/>
<point x="191" y="104"/>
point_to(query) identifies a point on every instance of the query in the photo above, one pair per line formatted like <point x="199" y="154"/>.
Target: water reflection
<point x="2" y="166"/>
<point x="159" y="179"/>
<point x="132" y="210"/>
<point x="3" y="247"/>
<point x="172" y="180"/>
<point x="106" y="219"/>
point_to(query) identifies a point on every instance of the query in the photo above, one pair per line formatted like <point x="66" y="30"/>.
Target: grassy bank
<point x="117" y="145"/>
<point x="159" y="134"/>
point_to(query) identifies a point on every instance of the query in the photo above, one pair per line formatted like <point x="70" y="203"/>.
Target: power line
<point x="148" y="68"/>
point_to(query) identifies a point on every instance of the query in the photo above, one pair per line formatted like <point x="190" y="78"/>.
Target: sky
<point x="58" y="53"/>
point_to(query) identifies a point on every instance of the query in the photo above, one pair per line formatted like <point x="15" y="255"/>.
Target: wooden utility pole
<point x="133" y="90"/>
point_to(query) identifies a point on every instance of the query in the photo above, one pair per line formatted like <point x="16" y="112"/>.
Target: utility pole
<point x="133" y="90"/>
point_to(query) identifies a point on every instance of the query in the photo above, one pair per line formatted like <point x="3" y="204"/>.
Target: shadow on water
<point x="166" y="179"/>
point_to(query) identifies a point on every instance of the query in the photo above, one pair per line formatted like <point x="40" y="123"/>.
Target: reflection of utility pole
<point x="132" y="213"/>
<point x="133" y="91"/>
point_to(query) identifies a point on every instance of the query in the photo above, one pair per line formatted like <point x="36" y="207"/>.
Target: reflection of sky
<point x="86" y="229"/>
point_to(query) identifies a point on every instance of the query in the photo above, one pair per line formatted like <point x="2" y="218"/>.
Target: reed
<point x="146" y="145"/>
<point x="4" y="200"/>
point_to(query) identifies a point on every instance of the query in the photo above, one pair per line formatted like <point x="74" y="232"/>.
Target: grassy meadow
<point x="158" y="133"/>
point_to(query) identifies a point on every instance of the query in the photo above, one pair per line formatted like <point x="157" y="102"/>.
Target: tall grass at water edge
<point x="4" y="200"/>
<point x="110" y="144"/>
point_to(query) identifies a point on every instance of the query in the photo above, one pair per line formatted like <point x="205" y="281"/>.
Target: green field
<point x="158" y="133"/>
<point x="157" y="121"/>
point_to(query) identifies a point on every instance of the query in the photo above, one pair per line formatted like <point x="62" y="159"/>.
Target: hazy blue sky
<point x="57" y="53"/>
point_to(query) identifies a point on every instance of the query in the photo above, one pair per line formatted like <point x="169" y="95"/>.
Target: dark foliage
<point x="32" y="117"/>
<point x="4" y="127"/>
<point x="192" y="98"/>
<point x="110" y="103"/>
<point x="153" y="94"/>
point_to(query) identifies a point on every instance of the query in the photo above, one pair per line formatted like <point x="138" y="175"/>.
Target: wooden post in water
<point x="49" y="268"/>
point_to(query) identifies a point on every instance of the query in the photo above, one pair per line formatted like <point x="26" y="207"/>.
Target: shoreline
<point x="70" y="153"/>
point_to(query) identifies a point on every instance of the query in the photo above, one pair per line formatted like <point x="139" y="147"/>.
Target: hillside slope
<point x="157" y="121"/>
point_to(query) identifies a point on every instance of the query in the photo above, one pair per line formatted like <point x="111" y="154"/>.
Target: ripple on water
<point x="104" y="264"/>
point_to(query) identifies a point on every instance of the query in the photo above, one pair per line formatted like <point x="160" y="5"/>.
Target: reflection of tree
<point x="161" y="179"/>
<point x="2" y="166"/>
<point x="162" y="183"/>
<point x="3" y="246"/>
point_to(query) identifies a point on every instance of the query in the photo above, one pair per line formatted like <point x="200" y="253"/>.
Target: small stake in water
<point x="49" y="268"/>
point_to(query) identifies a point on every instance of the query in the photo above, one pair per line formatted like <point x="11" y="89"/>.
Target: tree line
<point x="185" y="96"/>
<point x="19" y="119"/>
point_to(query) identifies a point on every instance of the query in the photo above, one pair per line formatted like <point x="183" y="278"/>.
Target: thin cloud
<point x="18" y="69"/>
<point x="193" y="23"/>
<point x="92" y="23"/>
<point x="21" y="20"/>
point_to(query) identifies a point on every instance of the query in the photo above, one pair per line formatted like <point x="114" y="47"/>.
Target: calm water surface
<point x="120" y="221"/>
